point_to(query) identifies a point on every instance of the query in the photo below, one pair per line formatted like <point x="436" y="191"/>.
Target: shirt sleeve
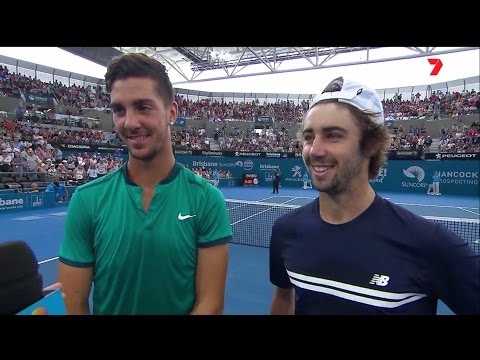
<point x="77" y="245"/>
<point x="455" y="272"/>
<point x="214" y="223"/>
<point x="278" y="273"/>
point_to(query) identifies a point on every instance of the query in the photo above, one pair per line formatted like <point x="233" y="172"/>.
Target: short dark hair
<point x="139" y="65"/>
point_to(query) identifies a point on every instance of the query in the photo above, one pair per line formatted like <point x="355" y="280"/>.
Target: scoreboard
<point x="250" y="179"/>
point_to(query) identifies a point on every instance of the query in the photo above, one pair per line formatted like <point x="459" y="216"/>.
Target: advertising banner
<point x="456" y="177"/>
<point x="24" y="201"/>
<point x="452" y="156"/>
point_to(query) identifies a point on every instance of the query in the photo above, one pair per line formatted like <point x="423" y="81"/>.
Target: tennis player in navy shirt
<point x="350" y="251"/>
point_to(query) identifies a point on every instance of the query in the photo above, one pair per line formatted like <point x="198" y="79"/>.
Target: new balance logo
<point x="380" y="280"/>
<point x="183" y="217"/>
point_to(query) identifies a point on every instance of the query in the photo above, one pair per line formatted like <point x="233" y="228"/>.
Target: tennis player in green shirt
<point x="152" y="236"/>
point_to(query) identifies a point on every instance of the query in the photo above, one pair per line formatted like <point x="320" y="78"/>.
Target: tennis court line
<point x="470" y="211"/>
<point x="260" y="212"/>
<point x="304" y="197"/>
<point x="442" y="218"/>
<point x="63" y="213"/>
<point x="48" y="260"/>
<point x="249" y="217"/>
<point x="288" y="201"/>
<point x="237" y="207"/>
<point x="28" y="218"/>
<point x="440" y="206"/>
<point x="272" y="197"/>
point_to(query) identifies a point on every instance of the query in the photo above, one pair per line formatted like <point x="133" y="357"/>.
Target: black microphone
<point x="21" y="285"/>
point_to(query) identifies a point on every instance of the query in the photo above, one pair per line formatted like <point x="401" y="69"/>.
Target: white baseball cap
<point x="354" y="93"/>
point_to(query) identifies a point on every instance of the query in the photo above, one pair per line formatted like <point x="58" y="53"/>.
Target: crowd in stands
<point x="27" y="157"/>
<point x="190" y="138"/>
<point x="266" y="139"/>
<point x="464" y="139"/>
<point x="41" y="134"/>
<point x="413" y="139"/>
<point x="220" y="111"/>
<point x="28" y="130"/>
<point x="436" y="105"/>
<point x="18" y="136"/>
<point x="22" y="162"/>
<point x="17" y="85"/>
<point x="34" y="116"/>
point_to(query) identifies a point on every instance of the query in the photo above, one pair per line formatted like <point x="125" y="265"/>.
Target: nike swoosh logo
<point x="183" y="217"/>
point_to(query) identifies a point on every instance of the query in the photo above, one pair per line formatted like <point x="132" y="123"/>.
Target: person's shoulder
<point x="296" y="214"/>
<point x="406" y="218"/>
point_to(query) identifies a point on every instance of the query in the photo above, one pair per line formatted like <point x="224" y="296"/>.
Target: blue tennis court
<point x="252" y="211"/>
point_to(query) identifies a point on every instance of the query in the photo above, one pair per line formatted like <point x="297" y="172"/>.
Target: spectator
<point x="34" y="187"/>
<point x="61" y="192"/>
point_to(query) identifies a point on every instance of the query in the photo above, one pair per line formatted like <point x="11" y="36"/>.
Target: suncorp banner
<point x="456" y="177"/>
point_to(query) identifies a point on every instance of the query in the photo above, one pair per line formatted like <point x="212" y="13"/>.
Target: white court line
<point x="386" y="198"/>
<point x="260" y="212"/>
<point x="271" y="197"/>
<point x="287" y="201"/>
<point x="27" y="218"/>
<point x="249" y="217"/>
<point x="304" y="197"/>
<point x="63" y="213"/>
<point x="284" y="196"/>
<point x="441" y="218"/>
<point x="237" y="207"/>
<point x="470" y="211"/>
<point x="440" y="206"/>
<point x="48" y="260"/>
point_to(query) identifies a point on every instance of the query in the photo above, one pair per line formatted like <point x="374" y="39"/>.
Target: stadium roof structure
<point x="195" y="64"/>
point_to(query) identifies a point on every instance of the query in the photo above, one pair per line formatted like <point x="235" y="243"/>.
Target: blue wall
<point x="413" y="176"/>
<point x="18" y="201"/>
<point x="458" y="177"/>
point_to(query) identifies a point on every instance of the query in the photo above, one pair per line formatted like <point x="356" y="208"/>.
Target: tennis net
<point x="252" y="223"/>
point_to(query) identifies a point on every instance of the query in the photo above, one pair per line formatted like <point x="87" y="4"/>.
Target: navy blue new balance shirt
<point x="386" y="261"/>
